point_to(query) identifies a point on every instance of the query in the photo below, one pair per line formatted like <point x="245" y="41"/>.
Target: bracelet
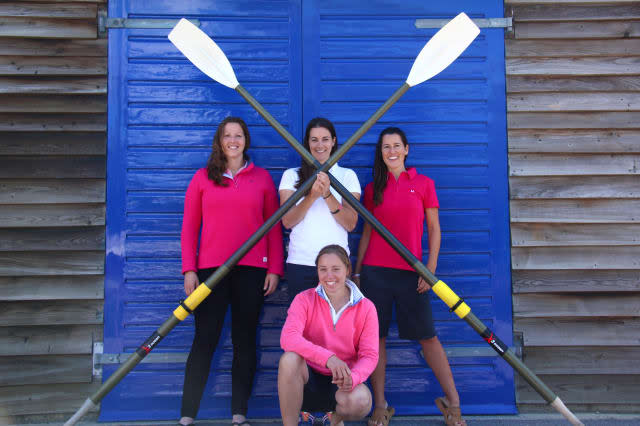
<point x="336" y="210"/>
<point x="327" y="196"/>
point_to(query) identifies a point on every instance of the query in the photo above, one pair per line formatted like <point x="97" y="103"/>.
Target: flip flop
<point x="381" y="416"/>
<point x="452" y="415"/>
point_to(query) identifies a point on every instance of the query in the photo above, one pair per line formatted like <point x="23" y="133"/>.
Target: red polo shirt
<point x="402" y="213"/>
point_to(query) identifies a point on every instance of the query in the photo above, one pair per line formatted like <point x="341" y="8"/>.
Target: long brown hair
<point x="306" y="170"/>
<point x="338" y="251"/>
<point x="217" y="163"/>
<point x="380" y="170"/>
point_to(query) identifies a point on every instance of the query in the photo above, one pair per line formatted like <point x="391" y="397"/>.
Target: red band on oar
<point x="149" y="344"/>
<point x="494" y="342"/>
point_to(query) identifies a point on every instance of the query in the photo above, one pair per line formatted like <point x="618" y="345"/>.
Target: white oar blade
<point x="443" y="48"/>
<point x="203" y="52"/>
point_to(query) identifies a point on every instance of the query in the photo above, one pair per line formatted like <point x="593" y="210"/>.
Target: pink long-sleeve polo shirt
<point x="229" y="216"/>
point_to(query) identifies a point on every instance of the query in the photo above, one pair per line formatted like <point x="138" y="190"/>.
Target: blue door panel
<point x="163" y="114"/>
<point x="300" y="59"/>
<point x="362" y="52"/>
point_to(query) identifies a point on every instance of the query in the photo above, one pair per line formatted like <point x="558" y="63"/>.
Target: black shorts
<point x="300" y="278"/>
<point x="386" y="286"/>
<point x="319" y="393"/>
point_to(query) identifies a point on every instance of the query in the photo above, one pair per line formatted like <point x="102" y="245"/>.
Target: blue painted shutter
<point x="360" y="52"/>
<point x="163" y="113"/>
<point x="300" y="59"/>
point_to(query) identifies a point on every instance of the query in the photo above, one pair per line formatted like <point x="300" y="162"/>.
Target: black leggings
<point x="243" y="288"/>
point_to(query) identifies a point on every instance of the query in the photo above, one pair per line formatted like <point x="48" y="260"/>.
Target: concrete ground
<point x="589" y="419"/>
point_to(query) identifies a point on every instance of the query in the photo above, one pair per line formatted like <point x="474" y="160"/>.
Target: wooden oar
<point x="206" y="54"/>
<point x="441" y="50"/>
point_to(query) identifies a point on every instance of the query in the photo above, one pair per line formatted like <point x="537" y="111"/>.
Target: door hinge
<point x="105" y="22"/>
<point x="98" y="347"/>
<point x="481" y="23"/>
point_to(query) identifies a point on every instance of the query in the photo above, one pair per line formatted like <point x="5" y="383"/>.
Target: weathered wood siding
<point x="573" y="99"/>
<point x="52" y="204"/>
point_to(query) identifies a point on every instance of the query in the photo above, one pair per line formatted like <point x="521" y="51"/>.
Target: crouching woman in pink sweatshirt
<point x="330" y="339"/>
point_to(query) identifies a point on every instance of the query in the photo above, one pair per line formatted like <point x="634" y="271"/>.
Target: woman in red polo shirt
<point x="400" y="199"/>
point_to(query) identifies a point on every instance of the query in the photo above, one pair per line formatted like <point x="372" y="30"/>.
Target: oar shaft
<point x="342" y="150"/>
<point x="367" y="124"/>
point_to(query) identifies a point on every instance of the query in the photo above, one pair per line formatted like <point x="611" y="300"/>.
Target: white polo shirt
<point x="319" y="227"/>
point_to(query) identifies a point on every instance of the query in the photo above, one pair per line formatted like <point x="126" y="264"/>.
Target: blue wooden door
<point x="300" y="59"/>
<point x="163" y="113"/>
<point x="356" y="53"/>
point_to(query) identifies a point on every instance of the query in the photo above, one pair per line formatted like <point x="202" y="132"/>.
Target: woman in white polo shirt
<point x="320" y="218"/>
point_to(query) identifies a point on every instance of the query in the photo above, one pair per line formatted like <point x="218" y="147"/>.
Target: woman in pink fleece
<point x="330" y="339"/>
<point x="226" y="202"/>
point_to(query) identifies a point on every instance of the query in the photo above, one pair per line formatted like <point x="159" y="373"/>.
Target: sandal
<point x="381" y="416"/>
<point x="452" y="415"/>
<point x="306" y="417"/>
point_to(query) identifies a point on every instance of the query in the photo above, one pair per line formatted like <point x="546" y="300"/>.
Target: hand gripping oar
<point x="441" y="50"/>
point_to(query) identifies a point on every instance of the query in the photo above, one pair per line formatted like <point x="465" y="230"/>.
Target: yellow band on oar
<point x="192" y="301"/>
<point x="450" y="298"/>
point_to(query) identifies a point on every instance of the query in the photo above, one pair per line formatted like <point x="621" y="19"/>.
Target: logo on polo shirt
<point x="264" y="259"/>
<point x="411" y="190"/>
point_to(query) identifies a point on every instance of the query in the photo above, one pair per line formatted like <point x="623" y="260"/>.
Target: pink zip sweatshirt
<point x="309" y="332"/>
<point x="229" y="216"/>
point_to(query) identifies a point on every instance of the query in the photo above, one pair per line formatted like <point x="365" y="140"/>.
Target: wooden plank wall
<point x="573" y="87"/>
<point x="52" y="204"/>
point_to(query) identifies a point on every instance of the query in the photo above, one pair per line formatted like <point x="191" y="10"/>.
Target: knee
<point x="432" y="341"/>
<point x="361" y="402"/>
<point x="290" y="362"/>
<point x="358" y="401"/>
